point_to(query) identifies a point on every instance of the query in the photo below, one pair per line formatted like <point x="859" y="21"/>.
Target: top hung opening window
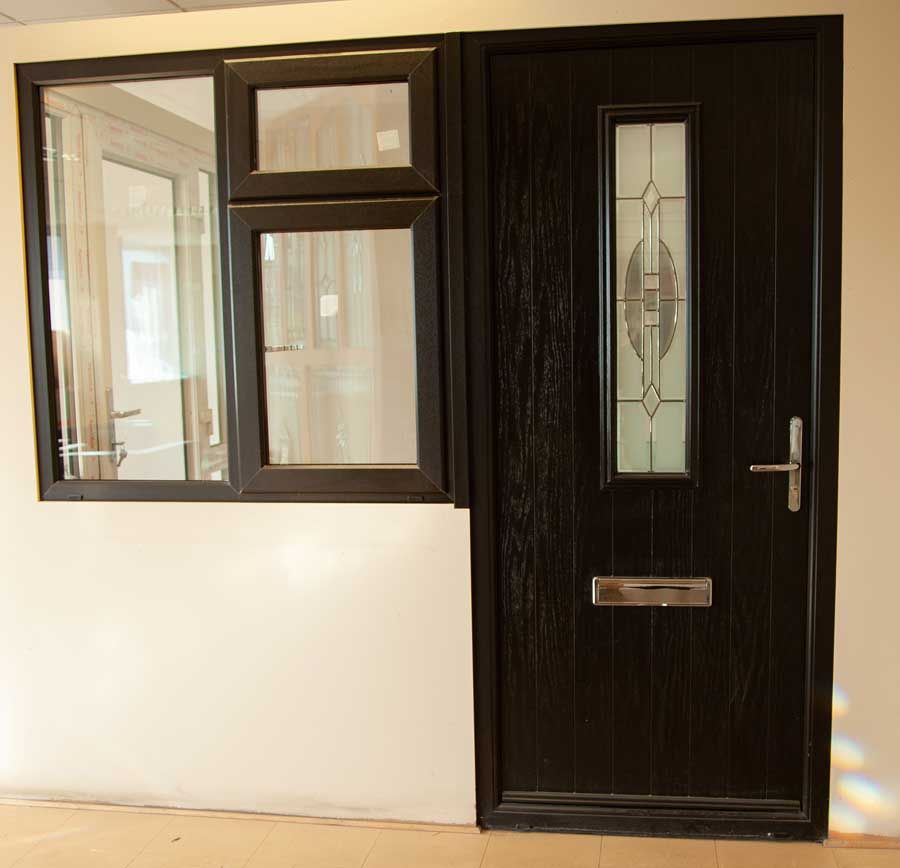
<point x="342" y="123"/>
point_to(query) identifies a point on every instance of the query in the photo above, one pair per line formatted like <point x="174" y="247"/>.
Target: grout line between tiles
<point x="257" y="847"/>
<point x="486" y="846"/>
<point x="366" y="858"/>
<point x="38" y="843"/>
<point x="716" y="851"/>
<point x="152" y="839"/>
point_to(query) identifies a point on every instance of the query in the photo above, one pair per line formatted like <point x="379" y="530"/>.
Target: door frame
<point x="645" y="814"/>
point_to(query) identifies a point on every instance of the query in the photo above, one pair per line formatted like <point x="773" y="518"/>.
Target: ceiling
<point x="17" y="12"/>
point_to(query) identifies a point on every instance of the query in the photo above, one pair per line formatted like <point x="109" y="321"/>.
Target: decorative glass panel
<point x="344" y="391"/>
<point x="651" y="297"/>
<point x="334" y="127"/>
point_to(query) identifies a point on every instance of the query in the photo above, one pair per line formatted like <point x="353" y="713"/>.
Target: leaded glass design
<point x="651" y="297"/>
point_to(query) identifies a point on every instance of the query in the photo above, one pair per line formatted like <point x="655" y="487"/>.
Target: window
<point x="648" y="230"/>
<point x="333" y="124"/>
<point x="244" y="310"/>
<point x="335" y="127"/>
<point x="133" y="286"/>
<point x="345" y="295"/>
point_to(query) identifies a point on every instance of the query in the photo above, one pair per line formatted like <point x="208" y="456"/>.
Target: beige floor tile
<point x="769" y="854"/>
<point x="204" y="842"/>
<point x="847" y="858"/>
<point x="23" y="828"/>
<point x="95" y="839"/>
<point x="534" y="850"/>
<point x="396" y="849"/>
<point x="293" y="845"/>
<point x="657" y="853"/>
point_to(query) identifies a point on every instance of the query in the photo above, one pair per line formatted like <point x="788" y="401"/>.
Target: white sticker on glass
<point x="328" y="305"/>
<point x="388" y="140"/>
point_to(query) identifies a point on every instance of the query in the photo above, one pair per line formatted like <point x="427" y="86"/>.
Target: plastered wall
<point x="317" y="659"/>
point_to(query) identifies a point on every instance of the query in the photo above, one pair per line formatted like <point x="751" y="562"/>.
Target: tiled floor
<point x="63" y="837"/>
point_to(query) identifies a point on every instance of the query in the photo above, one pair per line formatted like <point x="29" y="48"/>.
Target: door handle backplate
<point x="793" y="467"/>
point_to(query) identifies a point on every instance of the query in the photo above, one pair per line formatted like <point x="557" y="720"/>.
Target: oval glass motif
<point x="664" y="300"/>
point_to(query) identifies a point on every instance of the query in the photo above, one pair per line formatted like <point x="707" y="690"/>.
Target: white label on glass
<point x="328" y="305"/>
<point x="388" y="140"/>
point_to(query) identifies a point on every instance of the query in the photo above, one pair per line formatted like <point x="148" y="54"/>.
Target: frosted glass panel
<point x="668" y="158"/>
<point x="651" y="292"/>
<point x="340" y="355"/>
<point x="333" y="127"/>
<point x="633" y="159"/>
<point x="668" y="438"/>
<point x="634" y="437"/>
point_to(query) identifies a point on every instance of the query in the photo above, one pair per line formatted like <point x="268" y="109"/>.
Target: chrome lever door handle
<point x="123" y="414"/>
<point x="794" y="465"/>
<point x="120" y="453"/>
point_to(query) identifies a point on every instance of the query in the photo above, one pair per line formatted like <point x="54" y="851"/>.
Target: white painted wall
<point x="316" y="659"/>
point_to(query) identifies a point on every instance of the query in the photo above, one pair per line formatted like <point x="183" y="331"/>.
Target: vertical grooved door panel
<point x="592" y="519"/>
<point x="753" y="384"/>
<point x="553" y="408"/>
<point x="515" y="415"/>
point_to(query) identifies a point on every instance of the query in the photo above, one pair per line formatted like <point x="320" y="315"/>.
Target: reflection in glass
<point x="651" y="312"/>
<point x="133" y="279"/>
<point x="333" y="127"/>
<point x="349" y="396"/>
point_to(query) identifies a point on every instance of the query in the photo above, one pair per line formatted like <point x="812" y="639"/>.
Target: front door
<point x="652" y="287"/>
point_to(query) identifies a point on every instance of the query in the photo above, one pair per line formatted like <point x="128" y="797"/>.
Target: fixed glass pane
<point x="633" y="160"/>
<point x="134" y="280"/>
<point x="668" y="445"/>
<point x="634" y="437"/>
<point x="333" y="127"/>
<point x="651" y="291"/>
<point x="348" y="396"/>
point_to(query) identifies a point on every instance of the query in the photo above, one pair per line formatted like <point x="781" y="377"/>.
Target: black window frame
<point x="248" y="223"/>
<point x="440" y="58"/>
<point x="244" y="78"/>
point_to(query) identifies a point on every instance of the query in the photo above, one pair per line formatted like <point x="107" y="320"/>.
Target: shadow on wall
<point x="858" y="801"/>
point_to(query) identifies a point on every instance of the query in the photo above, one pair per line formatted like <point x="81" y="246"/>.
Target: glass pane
<point x="332" y="127"/>
<point x="651" y="273"/>
<point x="668" y="159"/>
<point x="134" y="280"/>
<point x="632" y="160"/>
<point x="634" y="437"/>
<point x="668" y="445"/>
<point x="348" y="396"/>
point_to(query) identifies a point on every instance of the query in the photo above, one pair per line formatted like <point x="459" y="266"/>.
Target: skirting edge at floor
<point x="244" y="815"/>
<point x="845" y="840"/>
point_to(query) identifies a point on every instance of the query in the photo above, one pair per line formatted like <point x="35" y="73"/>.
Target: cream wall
<point x="316" y="659"/>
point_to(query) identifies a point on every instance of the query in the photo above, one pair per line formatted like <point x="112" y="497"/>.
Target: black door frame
<point x="659" y="815"/>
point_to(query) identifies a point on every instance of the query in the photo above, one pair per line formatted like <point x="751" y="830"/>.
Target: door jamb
<point x="698" y="817"/>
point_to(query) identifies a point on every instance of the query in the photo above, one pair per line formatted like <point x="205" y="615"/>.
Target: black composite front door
<point x="656" y="320"/>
